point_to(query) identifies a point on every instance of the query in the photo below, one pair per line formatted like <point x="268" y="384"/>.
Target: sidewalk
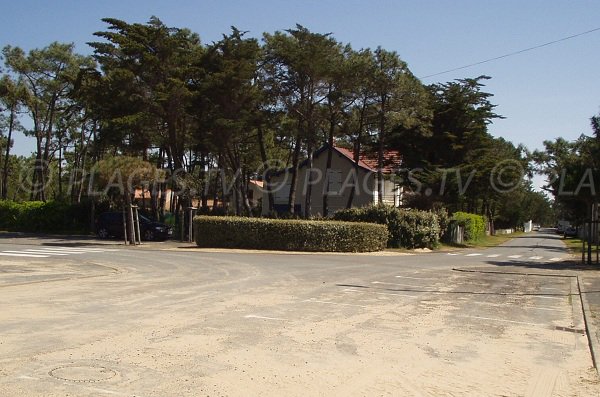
<point x="589" y="283"/>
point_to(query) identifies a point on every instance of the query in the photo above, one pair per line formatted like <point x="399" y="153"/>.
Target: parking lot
<point x="182" y="321"/>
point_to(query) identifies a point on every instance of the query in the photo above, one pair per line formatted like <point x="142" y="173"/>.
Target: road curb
<point x="590" y="328"/>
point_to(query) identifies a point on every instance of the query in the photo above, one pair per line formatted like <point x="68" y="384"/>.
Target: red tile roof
<point x="391" y="160"/>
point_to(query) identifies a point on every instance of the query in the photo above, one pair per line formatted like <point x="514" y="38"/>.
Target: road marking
<point x="515" y="256"/>
<point x="504" y="320"/>
<point x="264" y="318"/>
<point x="414" y="278"/>
<point x="521" y="307"/>
<point x="81" y="249"/>
<point x="452" y="254"/>
<point x="549" y="297"/>
<point x="58" y="252"/>
<point x="105" y="391"/>
<point x="550" y="309"/>
<point x="27" y="377"/>
<point x="473" y="254"/>
<point x="536" y="257"/>
<point x="552" y="288"/>
<point x="332" y="303"/>
<point x="400" y="285"/>
<point x="18" y="253"/>
<point x="554" y="259"/>
<point x="46" y="252"/>
<point x="377" y="293"/>
<point x="493" y="255"/>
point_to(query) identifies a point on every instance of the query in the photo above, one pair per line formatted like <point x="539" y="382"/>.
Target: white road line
<point x="332" y="303"/>
<point x="414" y="278"/>
<point x="547" y="308"/>
<point x="473" y="254"/>
<point x="264" y="318"/>
<point x="493" y="255"/>
<point x="400" y="285"/>
<point x="452" y="254"/>
<point x="515" y="256"/>
<point x="503" y="320"/>
<point x="66" y="252"/>
<point x="549" y="297"/>
<point x="23" y="255"/>
<point x="27" y="377"/>
<point x="46" y="252"/>
<point x="554" y="259"/>
<point x="82" y="249"/>
<point x="378" y="293"/>
<point x="105" y="391"/>
<point x="536" y="257"/>
<point x="521" y="307"/>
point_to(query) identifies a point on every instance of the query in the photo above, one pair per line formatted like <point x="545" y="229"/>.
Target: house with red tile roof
<point x="338" y="182"/>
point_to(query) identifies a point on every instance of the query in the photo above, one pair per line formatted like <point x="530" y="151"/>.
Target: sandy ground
<point x="286" y="326"/>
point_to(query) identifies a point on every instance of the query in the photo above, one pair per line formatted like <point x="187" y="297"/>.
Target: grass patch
<point x="574" y="245"/>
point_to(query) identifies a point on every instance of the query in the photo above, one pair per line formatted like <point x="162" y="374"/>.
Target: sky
<point x="543" y="94"/>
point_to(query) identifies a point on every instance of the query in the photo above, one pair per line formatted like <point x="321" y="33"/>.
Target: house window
<point x="334" y="181"/>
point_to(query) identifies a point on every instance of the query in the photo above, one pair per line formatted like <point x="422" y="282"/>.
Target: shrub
<point x="288" y="235"/>
<point x="407" y="228"/>
<point x="474" y="225"/>
<point x="443" y="219"/>
<point x="39" y="216"/>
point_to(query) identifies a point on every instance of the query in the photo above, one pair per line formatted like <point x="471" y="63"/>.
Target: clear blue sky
<point x="544" y="94"/>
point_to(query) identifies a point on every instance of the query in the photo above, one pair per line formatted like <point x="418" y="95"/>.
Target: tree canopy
<point x="216" y="116"/>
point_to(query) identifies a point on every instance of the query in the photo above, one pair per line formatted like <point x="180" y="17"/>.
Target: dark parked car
<point x="111" y="224"/>
<point x="570" y="232"/>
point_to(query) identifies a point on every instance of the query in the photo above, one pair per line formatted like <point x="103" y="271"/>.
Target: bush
<point x="288" y="235"/>
<point x="39" y="216"/>
<point x="474" y="225"/>
<point x="407" y="228"/>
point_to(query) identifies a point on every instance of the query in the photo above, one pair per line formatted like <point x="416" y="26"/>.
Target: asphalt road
<point x="86" y="318"/>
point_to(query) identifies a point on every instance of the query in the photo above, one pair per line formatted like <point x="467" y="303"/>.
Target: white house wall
<point x="344" y="180"/>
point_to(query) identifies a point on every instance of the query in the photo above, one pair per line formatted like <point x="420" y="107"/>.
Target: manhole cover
<point x="82" y="373"/>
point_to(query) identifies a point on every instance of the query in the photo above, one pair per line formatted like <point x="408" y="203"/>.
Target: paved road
<point x="86" y="318"/>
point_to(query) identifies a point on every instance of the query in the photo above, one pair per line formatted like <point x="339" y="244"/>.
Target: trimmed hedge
<point x="474" y="225"/>
<point x="288" y="235"/>
<point x="407" y="228"/>
<point x="39" y="216"/>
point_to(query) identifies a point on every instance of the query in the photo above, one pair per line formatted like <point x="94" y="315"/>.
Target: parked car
<point x="561" y="226"/>
<point x="110" y="224"/>
<point x="570" y="231"/>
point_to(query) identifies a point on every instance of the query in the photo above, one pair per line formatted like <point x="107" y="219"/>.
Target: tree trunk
<point x="357" y="148"/>
<point x="46" y="156"/>
<point x="60" y="168"/>
<point x="294" y="181"/>
<point x="328" y="167"/>
<point x="308" y="182"/>
<point x="267" y="172"/>
<point x="11" y="124"/>
<point x="380" y="158"/>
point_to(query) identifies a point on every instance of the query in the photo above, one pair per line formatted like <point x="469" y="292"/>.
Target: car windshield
<point x="144" y="219"/>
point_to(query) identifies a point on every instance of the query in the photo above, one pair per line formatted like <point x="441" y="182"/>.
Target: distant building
<point x="338" y="181"/>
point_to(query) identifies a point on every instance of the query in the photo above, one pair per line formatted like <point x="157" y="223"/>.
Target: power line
<point x="512" y="53"/>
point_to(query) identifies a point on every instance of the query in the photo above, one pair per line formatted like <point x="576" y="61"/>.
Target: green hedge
<point x="39" y="216"/>
<point x="474" y="225"/>
<point x="288" y="235"/>
<point x="407" y="228"/>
